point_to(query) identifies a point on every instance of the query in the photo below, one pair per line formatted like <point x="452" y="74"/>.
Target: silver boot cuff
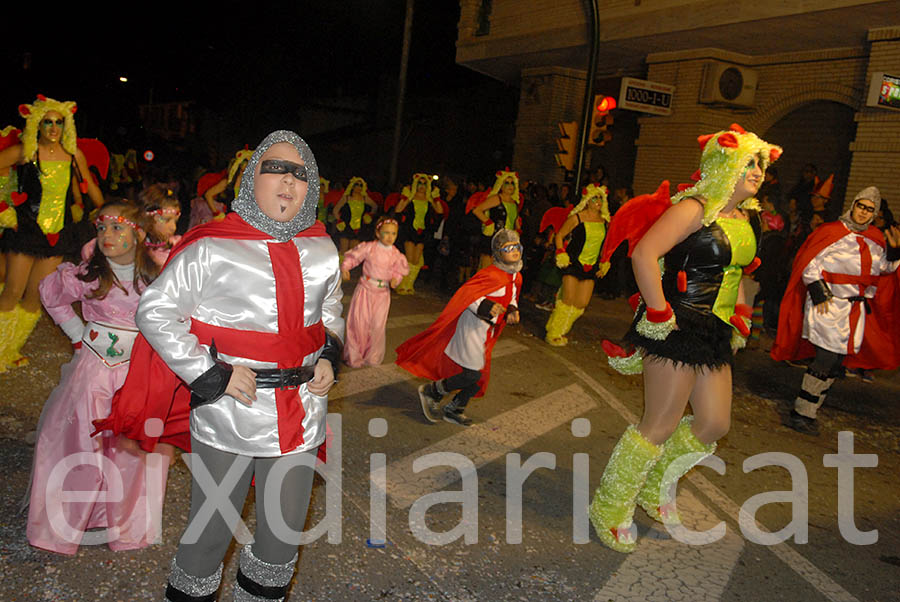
<point x="193" y="585"/>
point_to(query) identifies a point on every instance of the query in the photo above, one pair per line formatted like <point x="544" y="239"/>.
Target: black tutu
<point x="702" y="340"/>
<point x="576" y="270"/>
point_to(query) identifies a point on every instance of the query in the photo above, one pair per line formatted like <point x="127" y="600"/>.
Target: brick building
<point x="812" y="64"/>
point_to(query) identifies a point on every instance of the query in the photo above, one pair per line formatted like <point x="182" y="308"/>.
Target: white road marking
<point x="795" y="561"/>
<point x="374" y="377"/>
<point x="485" y="442"/>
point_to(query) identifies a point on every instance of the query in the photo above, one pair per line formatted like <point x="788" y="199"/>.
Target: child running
<point x="455" y="352"/>
<point x="383" y="268"/>
<point x="110" y="477"/>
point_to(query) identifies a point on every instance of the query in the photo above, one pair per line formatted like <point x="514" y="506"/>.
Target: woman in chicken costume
<point x="52" y="177"/>
<point x="704" y="238"/>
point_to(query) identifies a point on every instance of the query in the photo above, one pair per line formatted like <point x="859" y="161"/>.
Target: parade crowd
<point x="205" y="314"/>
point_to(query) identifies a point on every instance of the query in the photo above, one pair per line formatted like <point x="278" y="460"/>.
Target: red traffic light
<point x="607" y="103"/>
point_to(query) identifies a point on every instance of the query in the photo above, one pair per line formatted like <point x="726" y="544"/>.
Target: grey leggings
<point x="203" y="556"/>
<point x="826" y="364"/>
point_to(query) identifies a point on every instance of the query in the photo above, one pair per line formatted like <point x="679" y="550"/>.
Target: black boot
<point x="183" y="587"/>
<point x="454" y="412"/>
<point x="260" y="581"/>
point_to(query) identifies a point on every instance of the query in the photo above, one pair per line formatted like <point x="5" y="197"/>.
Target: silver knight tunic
<point x="230" y="283"/>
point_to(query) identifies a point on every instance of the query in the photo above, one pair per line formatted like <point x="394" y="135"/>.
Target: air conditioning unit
<point x="724" y="83"/>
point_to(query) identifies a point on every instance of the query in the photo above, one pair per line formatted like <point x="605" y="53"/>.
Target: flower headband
<point x="387" y="220"/>
<point x="165" y="211"/>
<point x="118" y="219"/>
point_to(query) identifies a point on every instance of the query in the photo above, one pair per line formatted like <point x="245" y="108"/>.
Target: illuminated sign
<point x="884" y="91"/>
<point x="645" y="96"/>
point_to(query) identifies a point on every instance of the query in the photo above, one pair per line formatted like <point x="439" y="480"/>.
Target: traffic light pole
<point x="588" y="94"/>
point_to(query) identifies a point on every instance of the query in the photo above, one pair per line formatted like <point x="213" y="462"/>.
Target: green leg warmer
<point x="613" y="504"/>
<point x="681" y="452"/>
<point x="556" y="325"/>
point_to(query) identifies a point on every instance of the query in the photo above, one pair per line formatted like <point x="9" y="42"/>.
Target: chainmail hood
<point x="869" y="193"/>
<point x="245" y="204"/>
<point x="502" y="238"/>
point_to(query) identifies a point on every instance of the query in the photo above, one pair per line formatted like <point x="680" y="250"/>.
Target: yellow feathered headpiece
<point x="502" y="176"/>
<point x="34" y="114"/>
<point x="239" y="157"/>
<point x="722" y="164"/>
<point x="430" y="192"/>
<point x="353" y="182"/>
<point x="591" y="192"/>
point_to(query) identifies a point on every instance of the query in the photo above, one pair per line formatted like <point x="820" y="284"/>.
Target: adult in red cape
<point x="831" y="310"/>
<point x="455" y="351"/>
<point x="245" y="328"/>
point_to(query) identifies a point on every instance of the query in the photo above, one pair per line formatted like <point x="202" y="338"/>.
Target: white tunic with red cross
<point x="850" y="267"/>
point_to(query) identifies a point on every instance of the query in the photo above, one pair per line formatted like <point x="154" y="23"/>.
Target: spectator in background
<point x="802" y="191"/>
<point x="771" y="191"/>
<point x="885" y="218"/>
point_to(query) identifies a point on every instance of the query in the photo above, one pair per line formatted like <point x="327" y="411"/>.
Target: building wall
<point x="546" y="97"/>
<point x="876" y="150"/>
<point x="667" y="146"/>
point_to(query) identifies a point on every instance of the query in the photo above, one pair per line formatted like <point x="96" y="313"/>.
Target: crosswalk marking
<point x="663" y="569"/>
<point x="487" y="441"/>
<point x="375" y="377"/>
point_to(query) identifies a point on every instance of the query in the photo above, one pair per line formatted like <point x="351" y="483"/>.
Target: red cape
<point x="151" y="390"/>
<point x="423" y="355"/>
<point x="879" y="350"/>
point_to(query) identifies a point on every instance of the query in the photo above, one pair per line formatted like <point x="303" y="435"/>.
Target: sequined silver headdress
<point x="245" y="203"/>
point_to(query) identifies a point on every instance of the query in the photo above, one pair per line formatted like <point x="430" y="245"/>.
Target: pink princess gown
<point x="367" y="317"/>
<point x="118" y="490"/>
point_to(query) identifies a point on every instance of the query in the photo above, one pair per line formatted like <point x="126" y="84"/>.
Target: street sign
<point x="645" y="96"/>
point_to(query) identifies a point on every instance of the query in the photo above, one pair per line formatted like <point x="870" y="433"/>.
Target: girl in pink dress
<point x="163" y="209"/>
<point x="383" y="268"/>
<point x="80" y="482"/>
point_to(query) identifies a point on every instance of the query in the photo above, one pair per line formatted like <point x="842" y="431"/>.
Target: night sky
<point x="247" y="61"/>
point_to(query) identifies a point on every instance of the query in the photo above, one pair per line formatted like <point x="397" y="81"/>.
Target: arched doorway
<point x="820" y="133"/>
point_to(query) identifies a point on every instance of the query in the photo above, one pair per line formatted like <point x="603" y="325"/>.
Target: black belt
<point x="863" y="300"/>
<point x="283" y="378"/>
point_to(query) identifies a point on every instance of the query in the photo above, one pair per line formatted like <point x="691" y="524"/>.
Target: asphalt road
<point x="509" y="524"/>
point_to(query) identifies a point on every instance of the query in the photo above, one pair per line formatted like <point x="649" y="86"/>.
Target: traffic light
<point x="565" y="144"/>
<point x="601" y="120"/>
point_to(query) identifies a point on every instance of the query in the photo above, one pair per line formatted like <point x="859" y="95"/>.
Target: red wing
<point x="96" y="154"/>
<point x="209" y="180"/>
<point x="476" y="199"/>
<point x="634" y="218"/>
<point x="391" y="200"/>
<point x="332" y="197"/>
<point x="554" y="218"/>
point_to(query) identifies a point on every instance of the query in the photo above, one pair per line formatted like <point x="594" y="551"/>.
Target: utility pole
<point x="401" y="94"/>
<point x="588" y="109"/>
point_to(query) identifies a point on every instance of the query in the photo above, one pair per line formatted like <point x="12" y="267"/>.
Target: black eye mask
<point x="280" y="166"/>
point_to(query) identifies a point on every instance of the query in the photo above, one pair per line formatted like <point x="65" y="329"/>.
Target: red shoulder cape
<point x="879" y="349"/>
<point x="423" y="355"/>
<point x="152" y="392"/>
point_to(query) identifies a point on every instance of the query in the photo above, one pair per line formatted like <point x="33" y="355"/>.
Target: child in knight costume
<point x="838" y="307"/>
<point x="455" y="352"/>
<point x="247" y="315"/>
<point x="706" y="239"/>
